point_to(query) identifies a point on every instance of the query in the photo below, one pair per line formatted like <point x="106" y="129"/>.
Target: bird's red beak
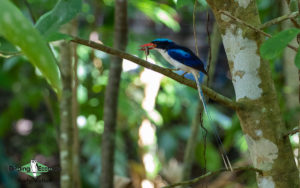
<point x="148" y="46"/>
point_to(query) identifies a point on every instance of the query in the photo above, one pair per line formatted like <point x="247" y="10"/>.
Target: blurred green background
<point x="152" y="131"/>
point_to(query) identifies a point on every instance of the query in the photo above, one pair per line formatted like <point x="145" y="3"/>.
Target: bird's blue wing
<point x="185" y="57"/>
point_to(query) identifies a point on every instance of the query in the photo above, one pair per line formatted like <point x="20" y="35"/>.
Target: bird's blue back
<point x="162" y="40"/>
<point x="181" y="54"/>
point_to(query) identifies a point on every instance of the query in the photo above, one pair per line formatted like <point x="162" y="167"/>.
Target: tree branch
<point x="9" y="54"/>
<point x="292" y="132"/>
<point x="252" y="27"/>
<point x="209" y="92"/>
<point x="279" y="19"/>
<point x="195" y="180"/>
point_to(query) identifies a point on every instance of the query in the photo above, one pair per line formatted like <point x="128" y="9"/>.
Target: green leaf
<point x="20" y="32"/>
<point x="6" y="47"/>
<point x="159" y="13"/>
<point x="297" y="59"/>
<point x="63" y="12"/>
<point x="274" y="46"/>
<point x="58" y="36"/>
<point x="182" y="3"/>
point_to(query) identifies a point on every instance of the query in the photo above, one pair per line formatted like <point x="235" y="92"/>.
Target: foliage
<point x="24" y="94"/>
<point x="32" y="45"/>
<point x="274" y="46"/>
<point x="63" y="12"/>
<point x="159" y="13"/>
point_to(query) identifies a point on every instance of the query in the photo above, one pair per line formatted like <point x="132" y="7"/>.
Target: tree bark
<point x="66" y="128"/>
<point x="111" y="97"/>
<point x="260" y="118"/>
<point x="68" y="139"/>
<point x="291" y="89"/>
<point x="76" y="146"/>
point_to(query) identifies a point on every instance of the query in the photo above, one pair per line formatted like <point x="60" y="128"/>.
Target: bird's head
<point x="158" y="44"/>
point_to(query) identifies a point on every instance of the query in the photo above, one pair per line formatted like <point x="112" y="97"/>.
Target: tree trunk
<point x="260" y="115"/>
<point x="68" y="139"/>
<point x="111" y="96"/>
<point x="66" y="128"/>
<point x="76" y="146"/>
<point x="290" y="75"/>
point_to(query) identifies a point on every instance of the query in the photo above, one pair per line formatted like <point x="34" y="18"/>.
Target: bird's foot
<point x="183" y="74"/>
<point x="173" y="69"/>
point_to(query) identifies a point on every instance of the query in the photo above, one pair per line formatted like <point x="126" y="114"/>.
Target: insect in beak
<point x="147" y="47"/>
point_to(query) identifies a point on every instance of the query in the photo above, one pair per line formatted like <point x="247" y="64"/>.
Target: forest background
<point x="159" y="136"/>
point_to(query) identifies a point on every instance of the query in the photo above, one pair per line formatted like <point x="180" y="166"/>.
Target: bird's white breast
<point x="173" y="62"/>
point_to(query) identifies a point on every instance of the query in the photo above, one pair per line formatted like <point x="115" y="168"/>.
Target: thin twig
<point x="294" y="131"/>
<point x="189" y="152"/>
<point x="9" y="54"/>
<point x="195" y="180"/>
<point x="205" y="141"/>
<point x="191" y="144"/>
<point x="209" y="48"/>
<point x="209" y="92"/>
<point x="244" y="23"/>
<point x="279" y="19"/>
<point x="194" y="28"/>
<point x="252" y="27"/>
<point x="207" y="83"/>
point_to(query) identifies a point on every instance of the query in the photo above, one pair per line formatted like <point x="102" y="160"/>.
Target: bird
<point x="182" y="58"/>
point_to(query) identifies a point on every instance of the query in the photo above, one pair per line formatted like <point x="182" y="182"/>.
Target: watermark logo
<point x="33" y="169"/>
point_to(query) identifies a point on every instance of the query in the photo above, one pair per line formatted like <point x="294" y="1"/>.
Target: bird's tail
<point x="220" y="144"/>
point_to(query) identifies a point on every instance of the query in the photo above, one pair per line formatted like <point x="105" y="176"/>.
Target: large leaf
<point x="297" y="59"/>
<point x="63" y="12"/>
<point x="20" y="32"/>
<point x="274" y="46"/>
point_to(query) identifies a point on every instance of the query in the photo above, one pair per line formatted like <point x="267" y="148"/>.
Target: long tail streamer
<point x="221" y="147"/>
